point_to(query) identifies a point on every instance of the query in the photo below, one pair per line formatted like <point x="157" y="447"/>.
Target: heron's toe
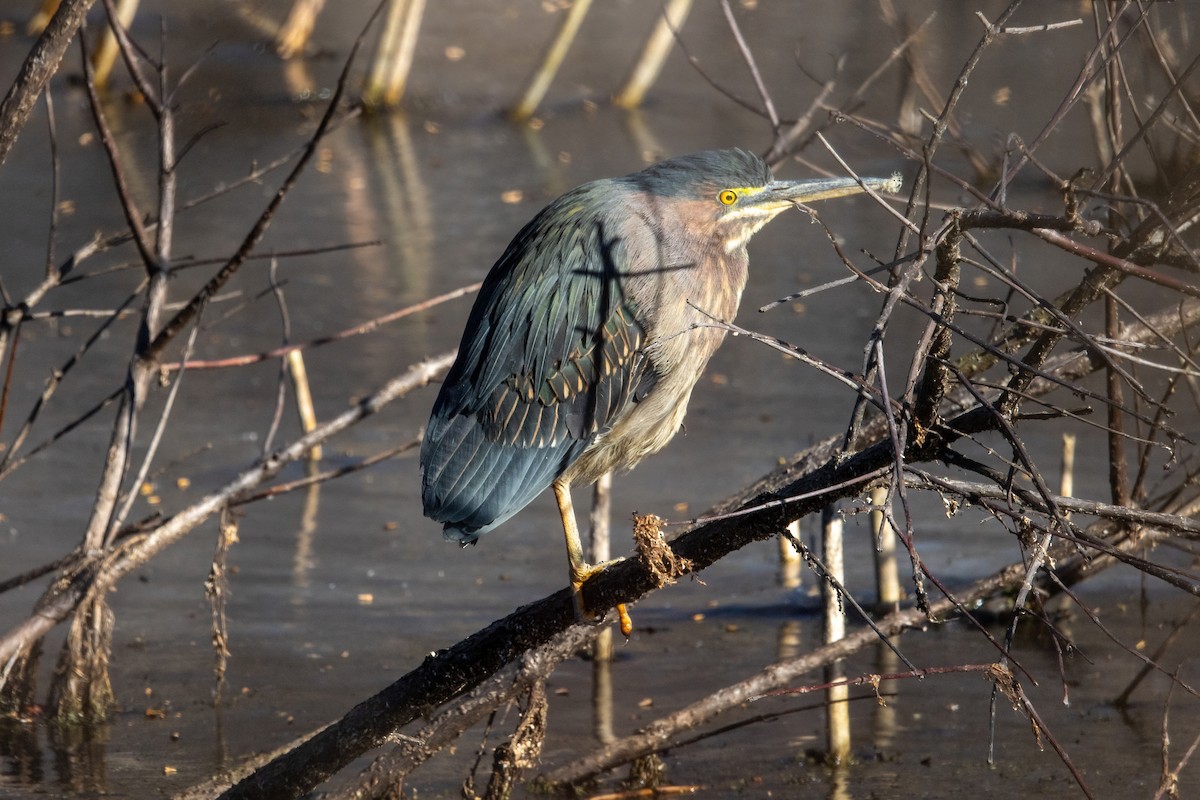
<point x="581" y="611"/>
<point x="584" y="615"/>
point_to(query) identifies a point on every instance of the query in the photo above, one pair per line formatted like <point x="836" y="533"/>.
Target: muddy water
<point x="336" y="592"/>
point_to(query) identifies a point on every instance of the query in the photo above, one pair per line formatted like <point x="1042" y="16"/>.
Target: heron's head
<point x="732" y="194"/>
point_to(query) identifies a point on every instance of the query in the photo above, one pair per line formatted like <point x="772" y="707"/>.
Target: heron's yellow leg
<point x="566" y="510"/>
<point x="579" y="569"/>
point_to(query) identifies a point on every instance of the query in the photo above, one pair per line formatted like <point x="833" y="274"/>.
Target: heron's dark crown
<point x="702" y="175"/>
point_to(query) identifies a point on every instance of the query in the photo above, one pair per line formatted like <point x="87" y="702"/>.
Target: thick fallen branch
<point x="386" y="774"/>
<point x="449" y="673"/>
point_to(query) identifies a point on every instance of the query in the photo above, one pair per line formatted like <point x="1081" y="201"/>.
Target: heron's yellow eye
<point x="727" y="197"/>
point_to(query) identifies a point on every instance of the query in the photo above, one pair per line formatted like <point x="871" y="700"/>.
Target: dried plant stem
<point x="888" y="593"/>
<point x="293" y="35"/>
<point x="394" y="54"/>
<point x="552" y="59"/>
<point x="304" y="401"/>
<point x="106" y="54"/>
<point x="654" y="53"/>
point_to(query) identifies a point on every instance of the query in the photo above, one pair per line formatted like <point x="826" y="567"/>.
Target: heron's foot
<point x="584" y="572"/>
<point x="581" y="612"/>
<point x="579" y="576"/>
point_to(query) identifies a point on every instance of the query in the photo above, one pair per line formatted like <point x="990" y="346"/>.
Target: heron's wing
<point x="551" y="358"/>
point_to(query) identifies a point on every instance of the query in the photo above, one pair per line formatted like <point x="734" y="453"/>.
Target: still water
<point x="337" y="591"/>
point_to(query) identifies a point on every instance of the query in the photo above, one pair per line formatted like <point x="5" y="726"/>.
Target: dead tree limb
<point x="766" y="509"/>
<point x="37" y="69"/>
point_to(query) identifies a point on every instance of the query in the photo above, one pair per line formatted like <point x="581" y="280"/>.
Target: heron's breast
<point x="644" y="429"/>
<point x="682" y="336"/>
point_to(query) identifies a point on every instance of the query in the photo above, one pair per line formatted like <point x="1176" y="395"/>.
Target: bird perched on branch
<point x="590" y="332"/>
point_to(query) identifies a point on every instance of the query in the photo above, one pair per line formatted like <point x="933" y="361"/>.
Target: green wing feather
<point x="551" y="358"/>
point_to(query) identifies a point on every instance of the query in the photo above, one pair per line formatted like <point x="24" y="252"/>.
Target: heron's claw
<point x="582" y="614"/>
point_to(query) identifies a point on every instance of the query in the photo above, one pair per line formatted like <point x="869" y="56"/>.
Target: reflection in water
<point x="648" y="145"/>
<point x="220" y="743"/>
<point x="22" y="753"/>
<point x="407" y="215"/>
<point x="303" y="561"/>
<point x="299" y="79"/>
<point x="549" y="167"/>
<point x="79" y="755"/>
<point x="790" y="640"/>
<point x="839" y="780"/>
<point x="19" y="715"/>
<point x="837" y="710"/>
<point x="602" y="693"/>
<point x="883" y="718"/>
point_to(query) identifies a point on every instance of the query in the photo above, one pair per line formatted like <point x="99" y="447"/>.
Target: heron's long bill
<point x="808" y="191"/>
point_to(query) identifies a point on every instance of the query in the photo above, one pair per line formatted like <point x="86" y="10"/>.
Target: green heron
<point x="590" y="332"/>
